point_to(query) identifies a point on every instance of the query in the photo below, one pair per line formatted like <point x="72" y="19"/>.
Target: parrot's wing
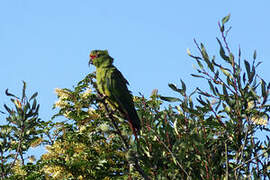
<point x="122" y="98"/>
<point x="117" y="85"/>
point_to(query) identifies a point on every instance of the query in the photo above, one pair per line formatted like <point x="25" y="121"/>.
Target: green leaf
<point x="222" y="52"/>
<point x="216" y="75"/>
<point x="173" y="87"/>
<point x="202" y="102"/>
<point x="247" y="67"/>
<point x="225" y="72"/>
<point x="175" y="127"/>
<point x="258" y="64"/>
<point x="9" y="94"/>
<point x="169" y="99"/>
<point x="200" y="64"/>
<point x="206" y="58"/>
<point x="254" y="55"/>
<point x="212" y="87"/>
<point x="195" y="75"/>
<point x="244" y="78"/>
<point x="226" y="19"/>
<point x="23" y="90"/>
<point x="222" y="28"/>
<point x="34" y="104"/>
<point x="225" y="91"/>
<point x="263" y="88"/>
<point x="33" y="96"/>
<point x="183" y="85"/>
<point x="8" y="109"/>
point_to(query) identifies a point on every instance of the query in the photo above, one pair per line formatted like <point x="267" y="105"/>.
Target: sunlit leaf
<point x="226" y="19"/>
<point x="169" y="99"/>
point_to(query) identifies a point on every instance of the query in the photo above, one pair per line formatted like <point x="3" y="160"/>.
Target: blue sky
<point x="47" y="43"/>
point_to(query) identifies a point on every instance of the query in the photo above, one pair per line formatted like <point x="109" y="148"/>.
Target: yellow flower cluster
<point x="18" y="169"/>
<point x="59" y="149"/>
<point x="67" y="114"/>
<point x="36" y="142"/>
<point x="260" y="120"/>
<point x="86" y="93"/>
<point x="56" y="172"/>
<point x="63" y="95"/>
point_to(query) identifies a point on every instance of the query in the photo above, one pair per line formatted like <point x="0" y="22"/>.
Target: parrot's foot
<point x="101" y="97"/>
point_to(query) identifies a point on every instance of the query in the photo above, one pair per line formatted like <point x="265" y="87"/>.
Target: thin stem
<point x="173" y="156"/>
<point x="136" y="162"/>
<point x="255" y="157"/>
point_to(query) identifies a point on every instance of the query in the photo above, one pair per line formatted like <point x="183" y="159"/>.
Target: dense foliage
<point x="207" y="134"/>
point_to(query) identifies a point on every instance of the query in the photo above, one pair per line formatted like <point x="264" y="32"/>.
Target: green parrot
<point x="112" y="84"/>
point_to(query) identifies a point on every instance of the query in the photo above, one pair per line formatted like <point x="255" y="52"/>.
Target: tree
<point x="24" y="129"/>
<point x="207" y="134"/>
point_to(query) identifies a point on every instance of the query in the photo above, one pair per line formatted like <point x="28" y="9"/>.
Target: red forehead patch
<point x="93" y="56"/>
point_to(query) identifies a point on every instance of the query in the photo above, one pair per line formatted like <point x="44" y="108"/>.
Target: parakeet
<point x="112" y="84"/>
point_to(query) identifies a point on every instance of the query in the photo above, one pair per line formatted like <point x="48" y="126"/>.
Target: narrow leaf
<point x="23" y="90"/>
<point x="212" y="87"/>
<point x="33" y="96"/>
<point x="8" y="109"/>
<point x="225" y="91"/>
<point x="169" y="99"/>
<point x="9" y="94"/>
<point x="195" y="75"/>
<point x="263" y="88"/>
<point x="200" y="64"/>
<point x="222" y="52"/>
<point x="226" y="19"/>
<point x="173" y="87"/>
<point x="254" y="55"/>
<point x="183" y="85"/>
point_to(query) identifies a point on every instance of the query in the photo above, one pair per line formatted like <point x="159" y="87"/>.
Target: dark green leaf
<point x="200" y="64"/>
<point x="247" y="68"/>
<point x="244" y="78"/>
<point x="201" y="101"/>
<point x="23" y="90"/>
<point x="8" y="109"/>
<point x="258" y="64"/>
<point x="219" y="102"/>
<point x="251" y="75"/>
<point x="254" y="55"/>
<point x="173" y="87"/>
<point x="195" y="75"/>
<point x="222" y="52"/>
<point x="263" y="88"/>
<point x="226" y="19"/>
<point x="169" y="99"/>
<point x="204" y="53"/>
<point x="33" y="96"/>
<point x="212" y="87"/>
<point x="222" y="28"/>
<point x="225" y="91"/>
<point x="34" y="104"/>
<point x="216" y="75"/>
<point x="9" y="94"/>
<point x="183" y="85"/>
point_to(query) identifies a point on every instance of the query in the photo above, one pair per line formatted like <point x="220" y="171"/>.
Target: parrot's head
<point x="100" y="58"/>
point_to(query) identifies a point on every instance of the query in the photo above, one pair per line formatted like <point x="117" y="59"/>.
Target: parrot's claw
<point x="101" y="97"/>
